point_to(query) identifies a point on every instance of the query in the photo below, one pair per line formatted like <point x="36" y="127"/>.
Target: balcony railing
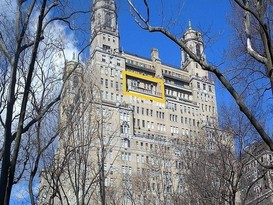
<point x="175" y="75"/>
<point x="140" y="65"/>
<point x="144" y="91"/>
<point x="183" y="87"/>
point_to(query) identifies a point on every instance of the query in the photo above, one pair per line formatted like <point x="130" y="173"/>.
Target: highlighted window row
<point x="142" y="86"/>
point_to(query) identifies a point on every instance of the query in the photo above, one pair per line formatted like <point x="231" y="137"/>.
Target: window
<point x="138" y="171"/>
<point x="123" y="170"/>
<point x="173" y="118"/>
<point x="198" y="84"/>
<point x="105" y="47"/>
<point x="125" y="143"/>
<point x="125" y="156"/>
<point x="106" y="83"/>
<point x="124" y="128"/>
<point x="108" y="20"/>
<point x="103" y="59"/>
<point x="179" y="165"/>
<point x="75" y="81"/>
<point x="198" y="50"/>
<point x="106" y="95"/>
<point x="137" y="158"/>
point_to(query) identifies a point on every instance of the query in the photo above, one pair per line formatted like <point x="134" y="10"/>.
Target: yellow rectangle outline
<point x="144" y="77"/>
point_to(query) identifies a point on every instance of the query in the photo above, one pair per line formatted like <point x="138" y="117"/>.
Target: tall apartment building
<point x="144" y="115"/>
<point x="161" y="101"/>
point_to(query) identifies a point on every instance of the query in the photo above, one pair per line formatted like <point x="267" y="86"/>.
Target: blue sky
<point x="207" y="16"/>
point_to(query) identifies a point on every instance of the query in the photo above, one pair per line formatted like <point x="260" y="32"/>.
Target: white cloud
<point x="57" y="38"/>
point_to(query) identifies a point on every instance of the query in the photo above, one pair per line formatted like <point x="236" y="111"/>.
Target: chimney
<point x="154" y="55"/>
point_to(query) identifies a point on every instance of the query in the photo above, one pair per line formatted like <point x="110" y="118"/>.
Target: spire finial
<point x="74" y="56"/>
<point x="189" y="24"/>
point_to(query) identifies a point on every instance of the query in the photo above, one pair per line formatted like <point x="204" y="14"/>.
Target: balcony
<point x="175" y="76"/>
<point x="144" y="91"/>
<point x="140" y="66"/>
<point x="180" y="87"/>
<point x="180" y="99"/>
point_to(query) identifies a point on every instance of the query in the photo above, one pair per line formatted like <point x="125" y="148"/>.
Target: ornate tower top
<point x="193" y="39"/>
<point x="104" y="29"/>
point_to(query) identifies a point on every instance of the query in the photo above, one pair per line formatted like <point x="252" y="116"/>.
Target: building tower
<point x="104" y="27"/>
<point x="203" y="88"/>
<point x="194" y="41"/>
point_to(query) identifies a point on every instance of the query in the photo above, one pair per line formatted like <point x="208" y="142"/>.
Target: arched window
<point x="124" y="128"/>
<point x="126" y="143"/>
<point x="99" y="19"/>
<point x="75" y="81"/>
<point x="198" y="50"/>
<point x="108" y="20"/>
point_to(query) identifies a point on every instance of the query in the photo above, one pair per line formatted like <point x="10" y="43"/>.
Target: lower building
<point x="257" y="187"/>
